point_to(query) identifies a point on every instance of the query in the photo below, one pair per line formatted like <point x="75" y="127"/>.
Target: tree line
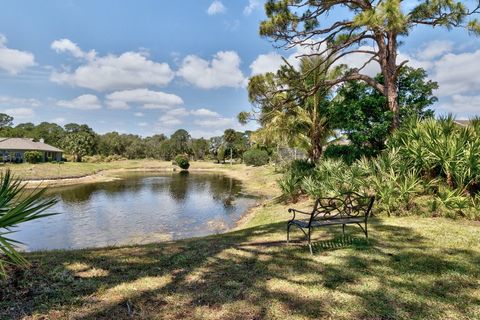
<point x="80" y="140"/>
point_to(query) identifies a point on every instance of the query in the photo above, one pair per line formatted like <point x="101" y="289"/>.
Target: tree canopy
<point x="306" y="23"/>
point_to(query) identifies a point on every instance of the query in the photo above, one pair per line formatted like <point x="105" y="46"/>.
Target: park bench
<point x="348" y="208"/>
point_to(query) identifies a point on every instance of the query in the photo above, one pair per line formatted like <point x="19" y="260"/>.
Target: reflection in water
<point x="139" y="208"/>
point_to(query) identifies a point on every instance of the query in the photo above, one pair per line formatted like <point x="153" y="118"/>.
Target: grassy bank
<point x="256" y="180"/>
<point x="29" y="171"/>
<point x="413" y="268"/>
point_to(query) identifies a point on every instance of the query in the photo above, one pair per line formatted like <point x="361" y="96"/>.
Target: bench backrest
<point x="347" y="205"/>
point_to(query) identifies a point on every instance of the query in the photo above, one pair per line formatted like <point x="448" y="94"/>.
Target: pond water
<point x="138" y="208"/>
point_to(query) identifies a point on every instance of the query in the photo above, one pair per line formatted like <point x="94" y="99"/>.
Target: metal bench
<point x="348" y="208"/>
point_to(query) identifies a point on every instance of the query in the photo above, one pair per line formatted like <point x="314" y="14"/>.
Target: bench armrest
<point x="294" y="211"/>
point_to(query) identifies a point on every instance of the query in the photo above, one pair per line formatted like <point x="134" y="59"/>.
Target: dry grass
<point x="412" y="268"/>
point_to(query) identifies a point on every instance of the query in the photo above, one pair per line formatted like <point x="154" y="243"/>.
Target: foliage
<point x="297" y="115"/>
<point x="16" y="207"/>
<point x="290" y="186"/>
<point x="182" y="161"/>
<point x="255" y="157"/>
<point x="347" y="153"/>
<point x="180" y="142"/>
<point x="309" y="24"/>
<point x="437" y="159"/>
<point x="5" y="120"/>
<point x="33" y="156"/>
<point x="361" y="112"/>
<point x="79" y="144"/>
<point x="199" y="148"/>
<point x="291" y="183"/>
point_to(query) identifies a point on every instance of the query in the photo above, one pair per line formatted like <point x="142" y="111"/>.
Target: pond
<point x="138" y="208"/>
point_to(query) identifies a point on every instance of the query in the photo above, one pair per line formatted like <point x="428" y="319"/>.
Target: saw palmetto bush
<point x="426" y="160"/>
<point x="17" y="205"/>
<point x="441" y="149"/>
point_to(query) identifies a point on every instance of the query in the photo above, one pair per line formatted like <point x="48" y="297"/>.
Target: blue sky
<point x="149" y="67"/>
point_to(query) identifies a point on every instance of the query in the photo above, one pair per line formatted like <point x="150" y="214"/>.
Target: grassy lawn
<point x="76" y="169"/>
<point x="412" y="268"/>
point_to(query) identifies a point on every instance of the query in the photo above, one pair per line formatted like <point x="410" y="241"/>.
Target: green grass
<point x="412" y="268"/>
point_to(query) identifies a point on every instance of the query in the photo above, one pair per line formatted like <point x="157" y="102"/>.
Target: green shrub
<point x="33" y="156"/>
<point x="182" y="161"/>
<point x="347" y="153"/>
<point x="290" y="186"/>
<point x="255" y="157"/>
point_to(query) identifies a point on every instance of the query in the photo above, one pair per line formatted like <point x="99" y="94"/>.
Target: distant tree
<point x="5" y="120"/>
<point x="152" y="145"/>
<point x="215" y="144"/>
<point x="229" y="136"/>
<point x="23" y="130"/>
<point x="166" y="150"/>
<point x="362" y="114"/>
<point x="79" y="144"/>
<point x="180" y="142"/>
<point x="200" y="148"/>
<point x="79" y="141"/>
<point x="135" y="147"/>
<point x="52" y="133"/>
<point x="111" y="143"/>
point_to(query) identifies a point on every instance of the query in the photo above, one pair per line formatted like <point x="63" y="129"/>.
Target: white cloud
<point x="435" y="49"/>
<point x="142" y="124"/>
<point x="8" y="101"/>
<point x="59" y="120"/>
<point x="126" y="71"/>
<point x="169" y="121"/>
<point x="222" y="71"/>
<point x="203" y="112"/>
<point x="462" y="104"/>
<point x="264" y="63"/>
<point x="66" y="45"/>
<point x="20" y="113"/>
<point x="138" y="114"/>
<point x="457" y="73"/>
<point x="178" y="112"/>
<point x="83" y="102"/>
<point x="215" y="123"/>
<point x="12" y="60"/>
<point x="216" y="7"/>
<point x="252" y="6"/>
<point x="149" y="99"/>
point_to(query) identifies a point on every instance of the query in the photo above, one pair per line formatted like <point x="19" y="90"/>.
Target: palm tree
<point x="230" y="136"/>
<point x="17" y="206"/>
<point x="295" y="115"/>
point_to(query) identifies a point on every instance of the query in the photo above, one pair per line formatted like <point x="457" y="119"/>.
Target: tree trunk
<point x="231" y="156"/>
<point x="392" y="102"/>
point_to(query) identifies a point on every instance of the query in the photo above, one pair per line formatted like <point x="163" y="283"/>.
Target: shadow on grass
<point x="252" y="274"/>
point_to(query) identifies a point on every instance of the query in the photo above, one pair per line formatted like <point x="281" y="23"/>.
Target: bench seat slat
<point x="328" y="222"/>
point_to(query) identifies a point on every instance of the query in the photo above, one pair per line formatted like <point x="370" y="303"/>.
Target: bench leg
<point x="343" y="230"/>
<point x="366" y="231"/>
<point x="288" y="233"/>
<point x="310" y="242"/>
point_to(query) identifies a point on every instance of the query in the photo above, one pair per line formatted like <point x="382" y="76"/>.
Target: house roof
<point x="25" y="144"/>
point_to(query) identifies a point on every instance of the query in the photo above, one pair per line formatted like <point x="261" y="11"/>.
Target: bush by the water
<point x="33" y="156"/>
<point x="291" y="183"/>
<point x="182" y="161"/>
<point x="255" y="157"/>
<point x="429" y="167"/>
